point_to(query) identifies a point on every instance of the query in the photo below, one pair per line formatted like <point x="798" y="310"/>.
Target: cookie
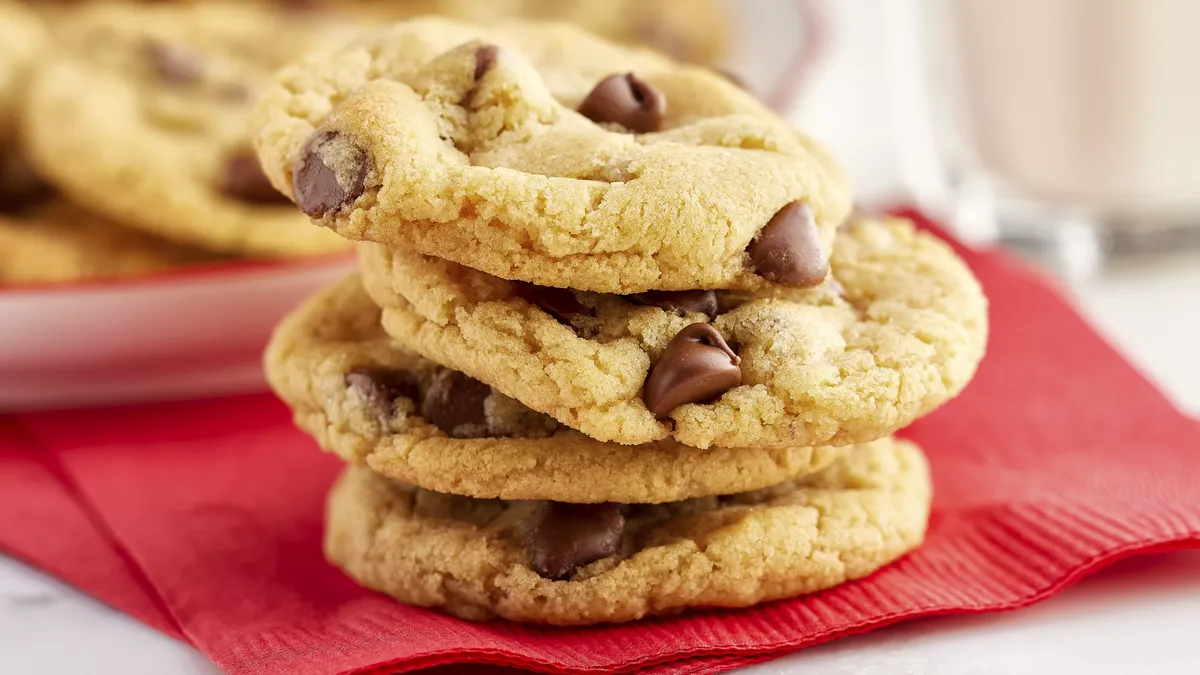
<point x="695" y="31"/>
<point x="573" y="564"/>
<point x="56" y="242"/>
<point x="139" y="113"/>
<point x="534" y="151"/>
<point x="897" y="330"/>
<point x="21" y="38"/>
<point x="378" y="405"/>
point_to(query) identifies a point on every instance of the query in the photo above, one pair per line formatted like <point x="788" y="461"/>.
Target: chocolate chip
<point x="454" y="403"/>
<point x="697" y="366"/>
<point x="20" y="187"/>
<point x="557" y="302"/>
<point x="243" y="179"/>
<point x="175" y="63"/>
<point x="379" y="388"/>
<point x="564" y="537"/>
<point x="788" y="250"/>
<point x="626" y="100"/>
<point x="485" y="58"/>
<point x="330" y="173"/>
<point x="680" y="302"/>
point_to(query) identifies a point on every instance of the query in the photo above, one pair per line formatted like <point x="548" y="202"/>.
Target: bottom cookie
<point x="569" y="564"/>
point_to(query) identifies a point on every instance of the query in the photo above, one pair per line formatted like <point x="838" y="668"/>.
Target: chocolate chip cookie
<point x="897" y="330"/>
<point x="376" y="404"/>
<point x="695" y="31"/>
<point x="56" y="242"/>
<point x="536" y="152"/>
<point x="21" y="38"/>
<point x="139" y="112"/>
<point x="581" y="564"/>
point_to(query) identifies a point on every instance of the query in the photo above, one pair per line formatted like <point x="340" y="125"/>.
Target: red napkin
<point x="46" y="525"/>
<point x="1060" y="458"/>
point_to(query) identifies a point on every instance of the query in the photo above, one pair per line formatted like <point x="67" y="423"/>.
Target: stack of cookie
<point x="135" y="114"/>
<point x="617" y="346"/>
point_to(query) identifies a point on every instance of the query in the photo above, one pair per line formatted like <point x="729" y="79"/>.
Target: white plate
<point x="201" y="331"/>
<point x="187" y="333"/>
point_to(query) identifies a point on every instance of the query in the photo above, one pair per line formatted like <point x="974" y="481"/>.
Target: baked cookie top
<point x="897" y="330"/>
<point x="572" y="564"/>
<point x="140" y="112"/>
<point x="535" y="151"/>
<point x="376" y="404"/>
<point x="56" y="242"/>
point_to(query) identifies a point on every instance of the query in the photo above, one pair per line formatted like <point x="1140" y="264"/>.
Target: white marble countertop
<point x="1139" y="616"/>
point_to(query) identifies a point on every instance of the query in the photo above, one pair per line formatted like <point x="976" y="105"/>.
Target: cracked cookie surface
<point x="898" y="330"/>
<point x="375" y="404"/>
<point x="139" y="112"/>
<point x="510" y="150"/>
<point x="469" y="557"/>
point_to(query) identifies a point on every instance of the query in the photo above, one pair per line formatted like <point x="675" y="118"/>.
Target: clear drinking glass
<point x="1070" y="128"/>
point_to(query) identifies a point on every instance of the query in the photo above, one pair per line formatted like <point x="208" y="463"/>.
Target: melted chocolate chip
<point x="379" y="388"/>
<point x="329" y="174"/>
<point x="564" y="537"/>
<point x="788" y="250"/>
<point x="697" y="366"/>
<point x="455" y="402"/>
<point x="243" y="179"/>
<point x="175" y="64"/>
<point x="485" y="58"/>
<point x="20" y="187"/>
<point x="557" y="302"/>
<point x="626" y="100"/>
<point x="680" y="302"/>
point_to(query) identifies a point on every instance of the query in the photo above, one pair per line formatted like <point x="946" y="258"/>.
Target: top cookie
<point x="139" y="113"/>
<point x="898" y="330"/>
<point x="534" y="151"/>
